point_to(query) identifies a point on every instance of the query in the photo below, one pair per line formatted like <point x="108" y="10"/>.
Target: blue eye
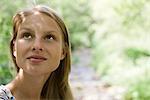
<point x="27" y="35"/>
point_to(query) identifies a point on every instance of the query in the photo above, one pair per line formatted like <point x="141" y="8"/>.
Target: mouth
<point x="36" y="58"/>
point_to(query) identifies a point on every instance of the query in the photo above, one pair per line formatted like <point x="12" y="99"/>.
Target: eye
<point x="27" y="35"/>
<point x="49" y="37"/>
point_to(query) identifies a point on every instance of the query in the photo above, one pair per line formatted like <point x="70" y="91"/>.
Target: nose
<point x="37" y="45"/>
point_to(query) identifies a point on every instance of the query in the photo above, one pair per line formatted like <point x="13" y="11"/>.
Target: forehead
<point x="40" y="21"/>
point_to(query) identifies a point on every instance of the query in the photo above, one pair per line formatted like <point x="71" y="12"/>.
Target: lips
<point x="36" y="58"/>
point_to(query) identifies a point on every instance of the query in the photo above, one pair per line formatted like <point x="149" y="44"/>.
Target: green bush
<point x="135" y="53"/>
<point x="139" y="89"/>
<point x="5" y="75"/>
<point x="121" y="44"/>
<point x="6" y="13"/>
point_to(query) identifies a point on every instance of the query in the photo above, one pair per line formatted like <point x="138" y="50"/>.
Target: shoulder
<point x="5" y="94"/>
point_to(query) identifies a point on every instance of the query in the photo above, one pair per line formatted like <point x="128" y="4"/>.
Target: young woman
<point x="40" y="50"/>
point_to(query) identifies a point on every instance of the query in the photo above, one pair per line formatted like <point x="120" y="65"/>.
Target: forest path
<point x="85" y="83"/>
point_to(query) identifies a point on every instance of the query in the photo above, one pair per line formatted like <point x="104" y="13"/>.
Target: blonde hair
<point x="56" y="86"/>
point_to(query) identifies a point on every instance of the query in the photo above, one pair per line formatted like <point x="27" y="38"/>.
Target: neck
<point x="28" y="86"/>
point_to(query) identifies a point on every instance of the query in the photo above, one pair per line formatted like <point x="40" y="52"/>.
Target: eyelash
<point x="50" y="37"/>
<point x="27" y="35"/>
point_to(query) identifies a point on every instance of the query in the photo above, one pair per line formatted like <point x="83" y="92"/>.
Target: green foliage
<point x="6" y="13"/>
<point x="121" y="44"/>
<point x="131" y="12"/>
<point x="5" y="75"/>
<point x="78" y="20"/>
<point x="135" y="53"/>
<point x="139" y="89"/>
<point x="133" y="15"/>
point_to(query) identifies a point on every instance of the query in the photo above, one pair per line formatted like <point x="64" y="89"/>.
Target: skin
<point x="38" y="49"/>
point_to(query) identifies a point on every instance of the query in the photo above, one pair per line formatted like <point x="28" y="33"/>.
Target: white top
<point x="5" y="93"/>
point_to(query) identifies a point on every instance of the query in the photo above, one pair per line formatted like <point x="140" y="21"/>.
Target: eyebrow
<point x="53" y="32"/>
<point x="47" y="31"/>
<point x="28" y="29"/>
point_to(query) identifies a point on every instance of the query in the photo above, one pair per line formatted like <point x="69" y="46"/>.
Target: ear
<point x="63" y="53"/>
<point x="14" y="49"/>
<point x="14" y="53"/>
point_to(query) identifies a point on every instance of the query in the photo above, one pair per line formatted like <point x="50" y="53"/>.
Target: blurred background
<point x="110" y="46"/>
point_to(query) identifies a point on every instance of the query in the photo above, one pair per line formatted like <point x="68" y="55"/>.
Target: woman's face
<point x="38" y="47"/>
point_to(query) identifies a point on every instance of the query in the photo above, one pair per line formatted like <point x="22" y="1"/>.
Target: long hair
<point x="56" y="86"/>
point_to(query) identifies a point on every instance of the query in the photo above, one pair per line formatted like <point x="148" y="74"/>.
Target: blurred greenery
<point x="117" y="31"/>
<point x="136" y="53"/>
<point x="140" y="88"/>
<point x="78" y="19"/>
<point x="121" y="52"/>
<point x="6" y="13"/>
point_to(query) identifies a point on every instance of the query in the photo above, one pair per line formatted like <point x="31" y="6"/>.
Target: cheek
<point x="22" y="45"/>
<point x="20" y="48"/>
<point x="19" y="56"/>
<point x="21" y="51"/>
<point x="55" y="53"/>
